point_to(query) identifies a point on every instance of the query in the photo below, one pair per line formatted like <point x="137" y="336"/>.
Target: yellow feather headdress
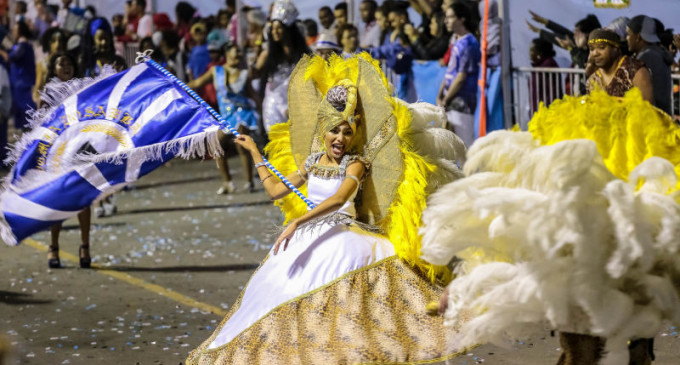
<point x="395" y="191"/>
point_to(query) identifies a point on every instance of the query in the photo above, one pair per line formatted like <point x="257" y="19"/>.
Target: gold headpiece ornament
<point x="329" y="116"/>
<point x="605" y="41"/>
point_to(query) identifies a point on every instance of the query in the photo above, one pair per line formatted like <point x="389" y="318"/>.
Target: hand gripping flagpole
<point x="146" y="57"/>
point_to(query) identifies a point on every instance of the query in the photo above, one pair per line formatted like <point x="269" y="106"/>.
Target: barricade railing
<point x="675" y="80"/>
<point x="130" y="50"/>
<point x="535" y="85"/>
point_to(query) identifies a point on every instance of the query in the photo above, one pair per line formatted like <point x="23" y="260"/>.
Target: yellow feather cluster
<point x="404" y="216"/>
<point x="403" y="219"/>
<point x="626" y="130"/>
<point x="280" y="155"/>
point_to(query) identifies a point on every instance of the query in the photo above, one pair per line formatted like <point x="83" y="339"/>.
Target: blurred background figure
<point x="238" y="104"/>
<point x="544" y="87"/>
<point x="575" y="42"/>
<point x="97" y="47"/>
<point x="327" y="21"/>
<point x="644" y="42"/>
<point x="21" y="61"/>
<point x="53" y="41"/>
<point x="326" y="46"/>
<point x="458" y="91"/>
<point x="348" y="39"/>
<point x="285" y="47"/>
<point x="370" y="31"/>
<point x="433" y="44"/>
<point x="5" y="110"/>
<point x="311" y="31"/>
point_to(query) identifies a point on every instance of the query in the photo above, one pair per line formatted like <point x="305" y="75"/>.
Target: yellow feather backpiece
<point x="626" y="130"/>
<point x="404" y="214"/>
<point x="280" y="155"/>
<point x="404" y="217"/>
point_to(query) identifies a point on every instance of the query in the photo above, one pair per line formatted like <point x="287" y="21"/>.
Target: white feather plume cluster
<point x="442" y="147"/>
<point x="548" y="235"/>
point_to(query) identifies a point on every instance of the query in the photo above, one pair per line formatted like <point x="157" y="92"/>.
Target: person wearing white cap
<point x="642" y="35"/>
<point x="325" y="46"/>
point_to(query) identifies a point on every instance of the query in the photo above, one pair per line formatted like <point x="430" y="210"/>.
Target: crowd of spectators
<point x="196" y="42"/>
<point x="448" y="32"/>
<point x="641" y="38"/>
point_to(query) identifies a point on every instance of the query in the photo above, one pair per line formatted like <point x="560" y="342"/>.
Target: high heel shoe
<point x="85" y="260"/>
<point x="54" y="262"/>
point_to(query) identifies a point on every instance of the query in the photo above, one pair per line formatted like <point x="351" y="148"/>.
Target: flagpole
<point x="482" y="79"/>
<point x="223" y="123"/>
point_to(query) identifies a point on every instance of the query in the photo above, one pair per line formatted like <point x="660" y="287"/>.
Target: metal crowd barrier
<point x="535" y="85"/>
<point x="130" y="52"/>
<point x="675" y="80"/>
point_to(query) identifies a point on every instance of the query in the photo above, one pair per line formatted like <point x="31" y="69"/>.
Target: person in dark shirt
<point x="643" y="41"/>
<point x="575" y="42"/>
<point x="545" y="87"/>
<point x="433" y="44"/>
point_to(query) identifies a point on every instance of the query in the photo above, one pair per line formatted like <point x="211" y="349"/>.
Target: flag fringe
<point x="53" y="95"/>
<point x="197" y="145"/>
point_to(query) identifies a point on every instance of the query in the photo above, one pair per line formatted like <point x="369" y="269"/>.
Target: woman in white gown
<point x="330" y="291"/>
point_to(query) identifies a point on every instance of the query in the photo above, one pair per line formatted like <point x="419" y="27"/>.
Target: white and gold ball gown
<point x="574" y="225"/>
<point x="342" y="293"/>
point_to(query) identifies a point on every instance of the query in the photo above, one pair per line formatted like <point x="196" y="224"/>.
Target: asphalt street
<point x="166" y="267"/>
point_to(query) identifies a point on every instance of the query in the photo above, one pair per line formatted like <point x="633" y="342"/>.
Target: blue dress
<point x="22" y="79"/>
<point x="234" y="106"/>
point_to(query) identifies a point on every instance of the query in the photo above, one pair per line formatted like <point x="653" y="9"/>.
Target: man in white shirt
<point x="145" y="24"/>
<point x="370" y="32"/>
<point x="327" y="21"/>
<point x="66" y="6"/>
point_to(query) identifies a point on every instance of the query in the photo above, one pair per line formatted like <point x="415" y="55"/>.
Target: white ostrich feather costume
<point x="548" y="235"/>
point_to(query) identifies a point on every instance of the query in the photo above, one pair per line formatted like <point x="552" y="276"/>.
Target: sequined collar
<point x="328" y="172"/>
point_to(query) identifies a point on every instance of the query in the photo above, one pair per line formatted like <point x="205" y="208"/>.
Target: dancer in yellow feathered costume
<point x="574" y="225"/>
<point x="344" y="282"/>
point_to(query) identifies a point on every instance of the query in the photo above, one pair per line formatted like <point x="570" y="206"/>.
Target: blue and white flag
<point x="94" y="138"/>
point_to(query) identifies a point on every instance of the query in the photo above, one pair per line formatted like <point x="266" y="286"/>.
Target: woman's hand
<point x="246" y="142"/>
<point x="565" y="43"/>
<point x="285" y="237"/>
<point x="411" y="32"/>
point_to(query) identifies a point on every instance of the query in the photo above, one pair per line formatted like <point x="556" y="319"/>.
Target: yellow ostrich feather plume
<point x="626" y="130"/>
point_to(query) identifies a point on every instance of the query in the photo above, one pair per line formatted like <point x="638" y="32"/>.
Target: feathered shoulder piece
<point x="626" y="130"/>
